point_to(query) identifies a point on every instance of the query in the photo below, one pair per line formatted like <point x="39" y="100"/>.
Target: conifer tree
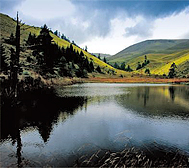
<point x="147" y="71"/>
<point x="116" y="65"/>
<point x="98" y="69"/>
<point x="45" y="39"/>
<point x="86" y="48"/>
<point x="3" y="59"/>
<point x="128" y="69"/>
<point x="105" y="60"/>
<point x="99" y="56"/>
<point x="172" y="70"/>
<point x="122" y="66"/>
<point x="139" y="66"/>
<point x="11" y="40"/>
<point x="31" y="39"/>
<point x="91" y="66"/>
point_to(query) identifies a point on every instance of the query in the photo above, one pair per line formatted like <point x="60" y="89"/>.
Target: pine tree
<point x="91" y="66"/>
<point x="99" y="57"/>
<point x="139" y="66"/>
<point x="172" y="71"/>
<point x="12" y="39"/>
<point x="86" y="65"/>
<point x="86" y="48"/>
<point x="31" y="39"/>
<point x="105" y="60"/>
<point x="122" y="66"/>
<point x="56" y="33"/>
<point x="147" y="71"/>
<point x="45" y="39"/>
<point x="98" y="69"/>
<point x="128" y="69"/>
<point x="4" y="64"/>
<point x="116" y="65"/>
<point x="145" y="59"/>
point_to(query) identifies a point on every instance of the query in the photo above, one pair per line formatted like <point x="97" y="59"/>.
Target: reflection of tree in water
<point x="43" y="116"/>
<point x="172" y="92"/>
<point x="144" y="94"/>
<point x="19" y="149"/>
<point x="138" y="92"/>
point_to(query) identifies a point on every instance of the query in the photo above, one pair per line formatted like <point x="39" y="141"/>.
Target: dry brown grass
<point x="135" y="80"/>
<point x="133" y="157"/>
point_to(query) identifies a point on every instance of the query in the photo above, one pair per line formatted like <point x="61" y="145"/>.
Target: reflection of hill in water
<point x="158" y="101"/>
<point x="43" y="117"/>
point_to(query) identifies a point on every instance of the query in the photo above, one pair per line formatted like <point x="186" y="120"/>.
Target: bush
<point x="26" y="73"/>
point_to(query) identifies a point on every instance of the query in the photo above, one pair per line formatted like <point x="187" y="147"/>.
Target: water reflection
<point x="19" y="149"/>
<point x="41" y="118"/>
<point x="98" y="114"/>
<point x="172" y="92"/>
<point x="156" y="101"/>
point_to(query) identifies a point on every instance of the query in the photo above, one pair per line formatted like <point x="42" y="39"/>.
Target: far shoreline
<point x="136" y="80"/>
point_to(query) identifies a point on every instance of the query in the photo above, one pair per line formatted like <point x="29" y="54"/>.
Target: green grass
<point x="161" y="53"/>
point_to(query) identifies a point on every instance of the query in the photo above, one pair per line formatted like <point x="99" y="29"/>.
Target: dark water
<point x="96" y="116"/>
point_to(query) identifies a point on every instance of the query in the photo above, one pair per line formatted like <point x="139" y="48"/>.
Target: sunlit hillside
<point x="161" y="53"/>
<point x="8" y="26"/>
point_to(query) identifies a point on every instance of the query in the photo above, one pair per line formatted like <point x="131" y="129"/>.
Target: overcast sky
<point x="105" y="26"/>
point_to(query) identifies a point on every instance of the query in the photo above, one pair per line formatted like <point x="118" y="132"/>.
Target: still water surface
<point x="98" y="116"/>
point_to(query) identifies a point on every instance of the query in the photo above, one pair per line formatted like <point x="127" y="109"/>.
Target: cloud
<point x="75" y="21"/>
<point x="126" y="31"/>
<point x="171" y="27"/>
<point x="8" y="5"/>
<point x="185" y="36"/>
<point x="144" y="28"/>
<point x="133" y="8"/>
<point x="47" y="9"/>
<point x="105" y="25"/>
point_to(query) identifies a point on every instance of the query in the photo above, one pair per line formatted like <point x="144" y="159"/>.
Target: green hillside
<point x="8" y="26"/>
<point x="161" y="53"/>
<point x="102" y="55"/>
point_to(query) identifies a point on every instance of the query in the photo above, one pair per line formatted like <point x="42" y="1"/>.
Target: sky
<point x="105" y="26"/>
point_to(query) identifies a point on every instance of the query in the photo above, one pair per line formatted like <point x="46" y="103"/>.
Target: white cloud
<point x="172" y="27"/>
<point x="100" y="30"/>
<point x="115" y="41"/>
<point x="142" y="29"/>
<point x="47" y="9"/>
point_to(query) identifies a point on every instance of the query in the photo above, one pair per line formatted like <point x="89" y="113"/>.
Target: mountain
<point x="8" y="26"/>
<point x="161" y="53"/>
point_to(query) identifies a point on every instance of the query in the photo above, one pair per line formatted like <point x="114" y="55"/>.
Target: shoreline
<point x="136" y="80"/>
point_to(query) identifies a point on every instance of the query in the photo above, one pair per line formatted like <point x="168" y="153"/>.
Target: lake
<point x="95" y="116"/>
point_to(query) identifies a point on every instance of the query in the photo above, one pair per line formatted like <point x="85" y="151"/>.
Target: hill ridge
<point x="160" y="52"/>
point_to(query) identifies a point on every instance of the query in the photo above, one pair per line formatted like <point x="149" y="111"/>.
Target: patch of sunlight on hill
<point x="165" y="68"/>
<point x="160" y="63"/>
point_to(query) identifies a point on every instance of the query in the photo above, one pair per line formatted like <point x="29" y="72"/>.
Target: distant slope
<point x="8" y="26"/>
<point x="161" y="53"/>
<point x="151" y="47"/>
<point x="102" y="55"/>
